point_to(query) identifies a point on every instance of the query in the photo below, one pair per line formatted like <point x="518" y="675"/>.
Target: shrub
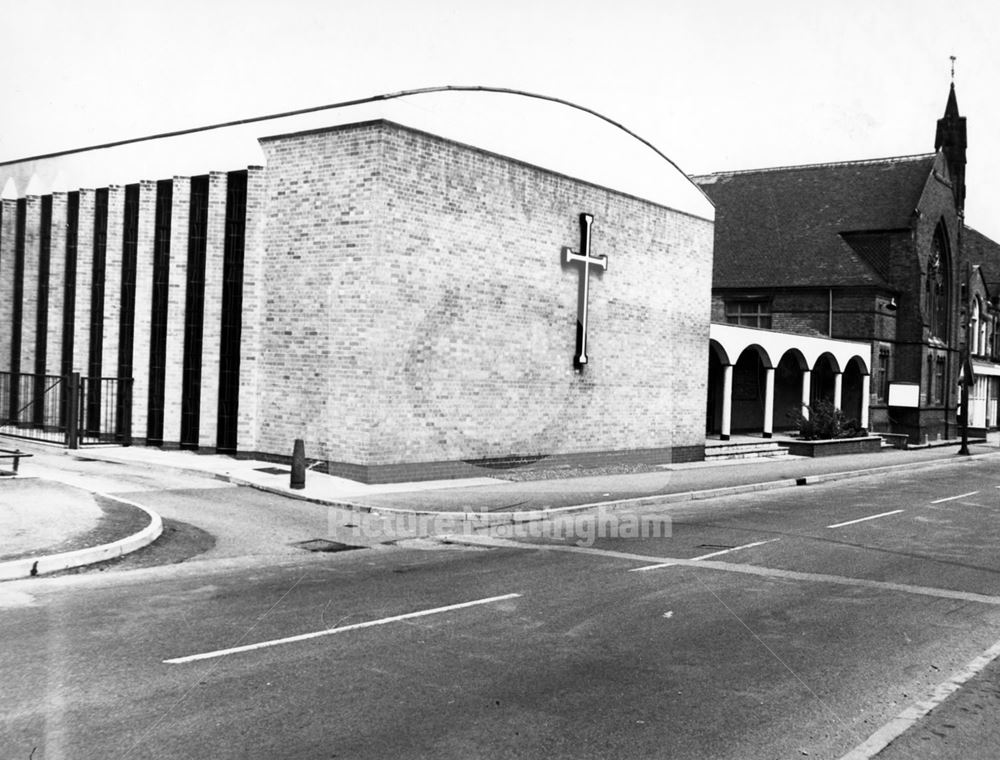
<point x="824" y="422"/>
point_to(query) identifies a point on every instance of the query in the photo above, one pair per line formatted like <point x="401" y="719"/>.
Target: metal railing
<point x="67" y="409"/>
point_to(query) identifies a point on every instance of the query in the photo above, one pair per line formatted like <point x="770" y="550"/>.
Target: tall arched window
<point x="938" y="285"/>
<point x="973" y="337"/>
<point x="984" y="328"/>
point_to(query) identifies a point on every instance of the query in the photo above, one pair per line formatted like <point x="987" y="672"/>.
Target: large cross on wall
<point x="584" y="257"/>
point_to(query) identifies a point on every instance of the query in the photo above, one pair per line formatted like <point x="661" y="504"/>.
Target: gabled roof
<point x="979" y="249"/>
<point x="785" y="226"/>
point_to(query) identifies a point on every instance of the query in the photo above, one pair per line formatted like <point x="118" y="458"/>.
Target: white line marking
<point x="730" y="567"/>
<point x="331" y="631"/>
<point x="863" y="519"/>
<point x="960" y="496"/>
<point x="735" y="549"/>
<point x="703" y="556"/>
<point x="906" y="719"/>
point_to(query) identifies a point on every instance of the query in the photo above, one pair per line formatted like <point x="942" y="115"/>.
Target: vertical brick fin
<point x="17" y="319"/>
<point x="84" y="278"/>
<point x="250" y="333"/>
<point x="70" y="321"/>
<point x="55" y="335"/>
<point x="29" y="299"/>
<point x="159" y="298"/>
<point x="42" y="308"/>
<point x="212" y="325"/>
<point x="8" y="213"/>
<point x="126" y="316"/>
<point x="113" y="305"/>
<point x="232" y="312"/>
<point x="44" y="292"/>
<point x="194" y="312"/>
<point x="95" y="363"/>
<point x="175" y="328"/>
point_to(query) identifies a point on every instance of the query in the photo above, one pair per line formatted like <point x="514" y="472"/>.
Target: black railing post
<point x="72" y="410"/>
<point x="126" y="392"/>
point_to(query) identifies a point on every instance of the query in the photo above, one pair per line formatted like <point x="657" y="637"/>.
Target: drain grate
<point x="273" y="470"/>
<point x="716" y="546"/>
<point x="324" y="545"/>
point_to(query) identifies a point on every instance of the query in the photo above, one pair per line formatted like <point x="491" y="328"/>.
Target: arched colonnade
<point x="759" y="379"/>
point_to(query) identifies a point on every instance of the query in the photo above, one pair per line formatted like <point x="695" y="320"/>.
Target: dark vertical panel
<point x="69" y="296"/>
<point x="42" y="321"/>
<point x="232" y="311"/>
<point x="126" y="320"/>
<point x="158" y="320"/>
<point x="95" y="368"/>
<point x="194" y="312"/>
<point x="18" y="315"/>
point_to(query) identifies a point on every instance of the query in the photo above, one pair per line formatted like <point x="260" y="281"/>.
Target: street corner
<point x="48" y="526"/>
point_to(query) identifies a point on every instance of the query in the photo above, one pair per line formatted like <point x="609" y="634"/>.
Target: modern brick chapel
<point x="408" y="304"/>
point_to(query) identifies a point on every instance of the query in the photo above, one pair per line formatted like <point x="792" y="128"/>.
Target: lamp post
<point x="967" y="380"/>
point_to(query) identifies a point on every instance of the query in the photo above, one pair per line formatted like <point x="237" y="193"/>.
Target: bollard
<point x="298" y="465"/>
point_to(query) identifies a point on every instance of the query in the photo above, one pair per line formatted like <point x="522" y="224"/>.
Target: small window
<point x="749" y="313"/>
<point x="882" y="376"/>
<point x="939" y="381"/>
<point x="930" y="379"/>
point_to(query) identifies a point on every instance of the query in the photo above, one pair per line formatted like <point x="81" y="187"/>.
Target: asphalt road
<point x="822" y="613"/>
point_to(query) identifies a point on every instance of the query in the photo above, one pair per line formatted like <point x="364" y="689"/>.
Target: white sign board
<point x="904" y="394"/>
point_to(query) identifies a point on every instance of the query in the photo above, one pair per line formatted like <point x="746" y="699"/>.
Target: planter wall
<point x="835" y="446"/>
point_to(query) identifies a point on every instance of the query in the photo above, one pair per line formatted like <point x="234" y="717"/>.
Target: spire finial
<point x="952" y="68"/>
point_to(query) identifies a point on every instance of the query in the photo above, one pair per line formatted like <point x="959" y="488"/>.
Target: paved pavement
<point x="42" y="511"/>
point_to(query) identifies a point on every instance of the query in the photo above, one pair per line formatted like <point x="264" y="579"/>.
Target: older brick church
<point x="874" y="251"/>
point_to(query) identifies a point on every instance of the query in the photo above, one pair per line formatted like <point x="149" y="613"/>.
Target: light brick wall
<point x="29" y="291"/>
<point x="254" y="270"/>
<point x="57" y="286"/>
<point x="113" y="282"/>
<point x="143" y="308"/>
<point x="7" y="253"/>
<point x="176" y="310"/>
<point x="418" y="309"/>
<point x="84" y="282"/>
<point x="212" y="329"/>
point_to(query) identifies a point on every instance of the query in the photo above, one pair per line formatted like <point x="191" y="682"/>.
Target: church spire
<point x="951" y="139"/>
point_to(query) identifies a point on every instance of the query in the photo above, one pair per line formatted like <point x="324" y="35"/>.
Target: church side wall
<point x="315" y="365"/>
<point x="450" y="318"/>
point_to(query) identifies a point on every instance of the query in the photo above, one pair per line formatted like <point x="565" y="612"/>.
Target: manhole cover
<point x="325" y="545"/>
<point x="273" y="470"/>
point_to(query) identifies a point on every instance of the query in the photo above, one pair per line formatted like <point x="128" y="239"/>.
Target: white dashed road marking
<point x="952" y="498"/>
<point x="331" y="631"/>
<point x="703" y="556"/>
<point x="863" y="519"/>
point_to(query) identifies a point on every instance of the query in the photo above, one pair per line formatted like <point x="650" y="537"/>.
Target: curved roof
<point x="547" y="132"/>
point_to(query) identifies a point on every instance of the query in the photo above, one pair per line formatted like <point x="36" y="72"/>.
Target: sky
<point x="713" y="84"/>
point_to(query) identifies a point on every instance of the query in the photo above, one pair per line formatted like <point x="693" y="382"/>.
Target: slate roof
<point x="981" y="250"/>
<point x="783" y="227"/>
